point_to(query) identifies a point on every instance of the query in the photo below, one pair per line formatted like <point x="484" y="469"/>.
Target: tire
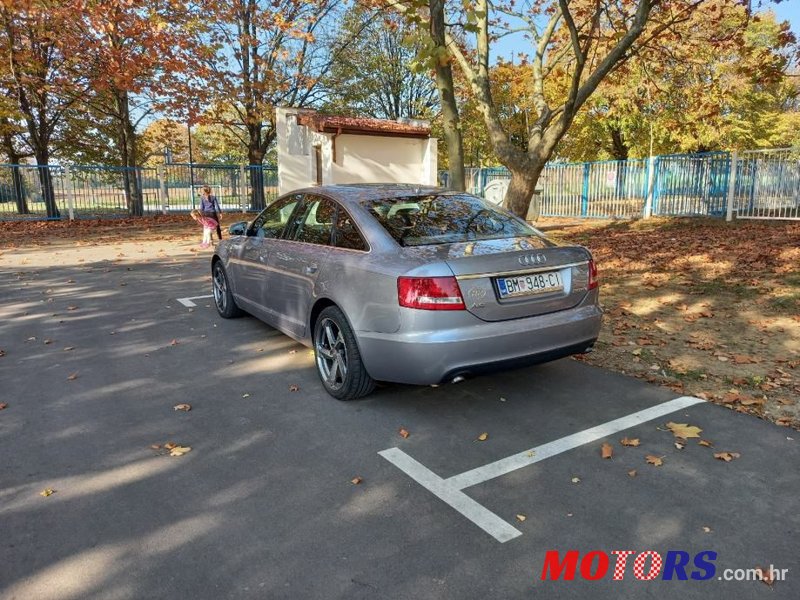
<point x="338" y="360"/>
<point x="223" y="298"/>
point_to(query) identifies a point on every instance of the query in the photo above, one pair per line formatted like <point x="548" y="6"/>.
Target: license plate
<point x="529" y="285"/>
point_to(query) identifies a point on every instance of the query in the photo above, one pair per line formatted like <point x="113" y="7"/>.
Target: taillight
<point x="594" y="281"/>
<point x="430" y="293"/>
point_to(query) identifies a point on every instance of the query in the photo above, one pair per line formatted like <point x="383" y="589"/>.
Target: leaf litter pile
<point x="701" y="306"/>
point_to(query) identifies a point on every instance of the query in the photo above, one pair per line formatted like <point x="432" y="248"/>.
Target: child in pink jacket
<point x="209" y="225"/>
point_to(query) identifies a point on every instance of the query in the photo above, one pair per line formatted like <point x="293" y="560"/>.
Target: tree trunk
<point x="520" y="191"/>
<point x="126" y="145"/>
<point x="46" y="182"/>
<point x="19" y="188"/>
<point x="619" y="146"/>
<point x="447" y="99"/>
<point x="256" y="159"/>
<point x="17" y="182"/>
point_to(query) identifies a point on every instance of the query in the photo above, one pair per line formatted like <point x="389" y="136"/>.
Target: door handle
<point x="311" y="269"/>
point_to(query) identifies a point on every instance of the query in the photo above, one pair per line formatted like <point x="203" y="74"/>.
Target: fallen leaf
<point x="656" y="461"/>
<point x="155" y="446"/>
<point x="245" y="395"/>
<point x="483" y="437"/>
<point x="705" y="443"/>
<point x="741" y="359"/>
<point x="683" y="430"/>
<point x="179" y="450"/>
<point x="750" y="401"/>
<point x="706" y="529"/>
<point x="3" y="405"/>
<point x="726" y="456"/>
<point x="632" y="473"/>
<point x="606" y="450"/>
<point x="48" y="342"/>
<point x="521" y="518"/>
<point x="576" y="480"/>
<point x="170" y="445"/>
<point x="403" y="433"/>
<point x="47" y="492"/>
<point x="356" y="480"/>
<point x="68" y="348"/>
<point x="72" y="377"/>
<point x="680" y="444"/>
<point x="629" y="442"/>
<point x="294" y="387"/>
<point x="184" y="407"/>
<point x="765" y="575"/>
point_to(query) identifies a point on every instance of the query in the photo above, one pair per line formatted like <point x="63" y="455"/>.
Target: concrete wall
<point x="359" y="158"/>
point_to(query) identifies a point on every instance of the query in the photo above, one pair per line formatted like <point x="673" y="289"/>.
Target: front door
<point x="297" y="259"/>
<point x="252" y="266"/>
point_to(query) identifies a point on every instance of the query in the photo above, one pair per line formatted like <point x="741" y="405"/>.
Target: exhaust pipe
<point x="459" y="377"/>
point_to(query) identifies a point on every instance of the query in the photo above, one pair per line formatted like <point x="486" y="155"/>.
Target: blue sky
<point x="788" y="10"/>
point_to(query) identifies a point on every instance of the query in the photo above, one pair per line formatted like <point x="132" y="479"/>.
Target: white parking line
<point x="449" y="490"/>
<point x="475" y="512"/>
<point x="188" y="301"/>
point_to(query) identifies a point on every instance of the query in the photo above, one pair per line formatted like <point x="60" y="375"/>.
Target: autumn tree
<point x="37" y="79"/>
<point x="257" y="55"/>
<point x="376" y="75"/>
<point x="582" y="40"/>
<point x="130" y="53"/>
<point x="719" y="81"/>
<point x="11" y="141"/>
<point x="427" y="17"/>
<point x="211" y="143"/>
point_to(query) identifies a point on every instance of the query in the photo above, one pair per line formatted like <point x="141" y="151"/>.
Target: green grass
<point x="715" y="287"/>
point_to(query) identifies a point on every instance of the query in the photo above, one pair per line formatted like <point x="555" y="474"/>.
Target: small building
<point x="315" y="149"/>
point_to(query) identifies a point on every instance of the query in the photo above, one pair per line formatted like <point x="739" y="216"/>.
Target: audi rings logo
<point x="532" y="259"/>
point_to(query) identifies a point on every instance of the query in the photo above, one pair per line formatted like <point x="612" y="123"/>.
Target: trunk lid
<point x="514" y="278"/>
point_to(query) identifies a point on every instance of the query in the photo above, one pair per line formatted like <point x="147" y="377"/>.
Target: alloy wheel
<point x="220" y="285"/>
<point x="331" y="354"/>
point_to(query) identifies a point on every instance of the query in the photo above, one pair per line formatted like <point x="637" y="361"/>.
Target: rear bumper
<point x="437" y="355"/>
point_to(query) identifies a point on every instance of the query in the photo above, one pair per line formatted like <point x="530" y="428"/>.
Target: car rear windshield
<point x="445" y="219"/>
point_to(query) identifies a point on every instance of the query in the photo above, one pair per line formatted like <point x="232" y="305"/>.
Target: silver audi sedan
<point x="407" y="284"/>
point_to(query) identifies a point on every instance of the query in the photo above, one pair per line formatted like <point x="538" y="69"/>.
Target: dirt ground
<point x="703" y="307"/>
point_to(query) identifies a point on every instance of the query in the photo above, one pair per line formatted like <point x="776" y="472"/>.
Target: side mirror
<point x="239" y="228"/>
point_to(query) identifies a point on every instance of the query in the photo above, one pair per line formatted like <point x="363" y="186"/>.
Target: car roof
<point x="359" y="192"/>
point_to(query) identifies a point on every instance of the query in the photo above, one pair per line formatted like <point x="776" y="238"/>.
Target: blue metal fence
<point x="82" y="191"/>
<point x="694" y="184"/>
<point x="766" y="185"/>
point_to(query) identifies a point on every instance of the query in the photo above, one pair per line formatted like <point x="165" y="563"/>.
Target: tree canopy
<point x="116" y="81"/>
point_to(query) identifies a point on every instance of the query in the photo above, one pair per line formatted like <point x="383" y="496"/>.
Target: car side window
<point x="272" y="220"/>
<point x="314" y="224"/>
<point x="347" y="234"/>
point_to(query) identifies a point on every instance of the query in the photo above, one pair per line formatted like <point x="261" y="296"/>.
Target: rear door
<point x="297" y="259"/>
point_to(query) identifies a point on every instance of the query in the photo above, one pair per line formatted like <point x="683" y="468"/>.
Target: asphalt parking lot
<point x="97" y="354"/>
